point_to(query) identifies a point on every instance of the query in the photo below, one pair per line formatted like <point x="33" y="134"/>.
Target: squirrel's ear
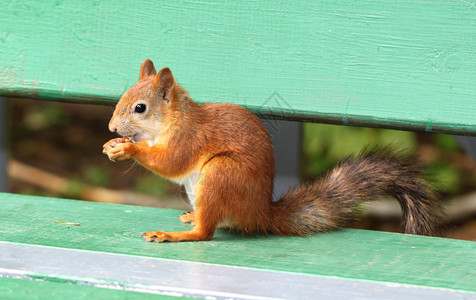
<point x="147" y="69"/>
<point x="164" y="80"/>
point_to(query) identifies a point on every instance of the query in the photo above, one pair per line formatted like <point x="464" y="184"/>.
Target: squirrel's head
<point x="147" y="108"/>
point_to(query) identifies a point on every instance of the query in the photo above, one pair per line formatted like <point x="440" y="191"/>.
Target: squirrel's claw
<point x="105" y="151"/>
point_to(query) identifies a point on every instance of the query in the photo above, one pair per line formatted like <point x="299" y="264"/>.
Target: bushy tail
<point x="330" y="201"/>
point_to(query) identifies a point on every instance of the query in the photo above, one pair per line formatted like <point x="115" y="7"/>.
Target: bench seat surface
<point x="361" y="255"/>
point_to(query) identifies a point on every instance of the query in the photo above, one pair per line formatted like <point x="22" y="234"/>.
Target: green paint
<point x="17" y="289"/>
<point x="351" y="254"/>
<point x="404" y="64"/>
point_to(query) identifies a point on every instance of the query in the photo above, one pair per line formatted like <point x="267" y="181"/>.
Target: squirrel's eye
<point x="140" y="108"/>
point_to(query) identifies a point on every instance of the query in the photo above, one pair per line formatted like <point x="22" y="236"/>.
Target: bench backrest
<point x="404" y="64"/>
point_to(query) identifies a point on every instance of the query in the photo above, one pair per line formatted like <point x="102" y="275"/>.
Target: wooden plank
<point x="345" y="254"/>
<point x="17" y="289"/>
<point x="405" y="64"/>
<point x="181" y="278"/>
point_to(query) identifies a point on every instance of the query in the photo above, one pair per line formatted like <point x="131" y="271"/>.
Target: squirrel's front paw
<point x="112" y="143"/>
<point x="120" y="149"/>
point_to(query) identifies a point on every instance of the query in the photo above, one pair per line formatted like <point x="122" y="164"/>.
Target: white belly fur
<point x="190" y="183"/>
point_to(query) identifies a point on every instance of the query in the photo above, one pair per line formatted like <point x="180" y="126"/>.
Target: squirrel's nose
<point x="112" y="127"/>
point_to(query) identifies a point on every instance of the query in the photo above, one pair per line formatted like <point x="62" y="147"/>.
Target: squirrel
<point x="223" y="156"/>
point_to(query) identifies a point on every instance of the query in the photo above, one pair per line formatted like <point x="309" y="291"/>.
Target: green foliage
<point x="447" y="178"/>
<point x="324" y="145"/>
<point x="446" y="143"/>
<point x="29" y="190"/>
<point x="45" y="116"/>
<point x="152" y="185"/>
<point x="97" y="176"/>
<point x="75" y="188"/>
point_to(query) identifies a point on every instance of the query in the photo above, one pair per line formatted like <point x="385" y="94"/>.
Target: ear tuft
<point x="147" y="69"/>
<point x="164" y="80"/>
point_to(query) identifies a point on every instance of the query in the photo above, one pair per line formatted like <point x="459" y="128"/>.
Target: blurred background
<point x="56" y="150"/>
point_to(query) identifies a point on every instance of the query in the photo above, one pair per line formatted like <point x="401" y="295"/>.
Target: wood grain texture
<point x="405" y="64"/>
<point x="347" y="254"/>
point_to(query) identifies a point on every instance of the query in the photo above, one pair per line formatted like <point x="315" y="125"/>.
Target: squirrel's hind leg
<point x="202" y="231"/>
<point x="183" y="236"/>
<point x="205" y="218"/>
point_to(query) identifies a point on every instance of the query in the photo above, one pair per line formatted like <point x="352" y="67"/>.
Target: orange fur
<point x="220" y="152"/>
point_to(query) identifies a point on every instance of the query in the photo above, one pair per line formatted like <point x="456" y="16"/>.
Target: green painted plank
<point x="401" y="64"/>
<point x="17" y="289"/>
<point x="348" y="254"/>
<point x="210" y="281"/>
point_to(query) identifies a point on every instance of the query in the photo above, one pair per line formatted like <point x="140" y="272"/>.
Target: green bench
<point x="404" y="65"/>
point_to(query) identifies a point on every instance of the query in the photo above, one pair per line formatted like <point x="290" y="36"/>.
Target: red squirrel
<point x="223" y="156"/>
